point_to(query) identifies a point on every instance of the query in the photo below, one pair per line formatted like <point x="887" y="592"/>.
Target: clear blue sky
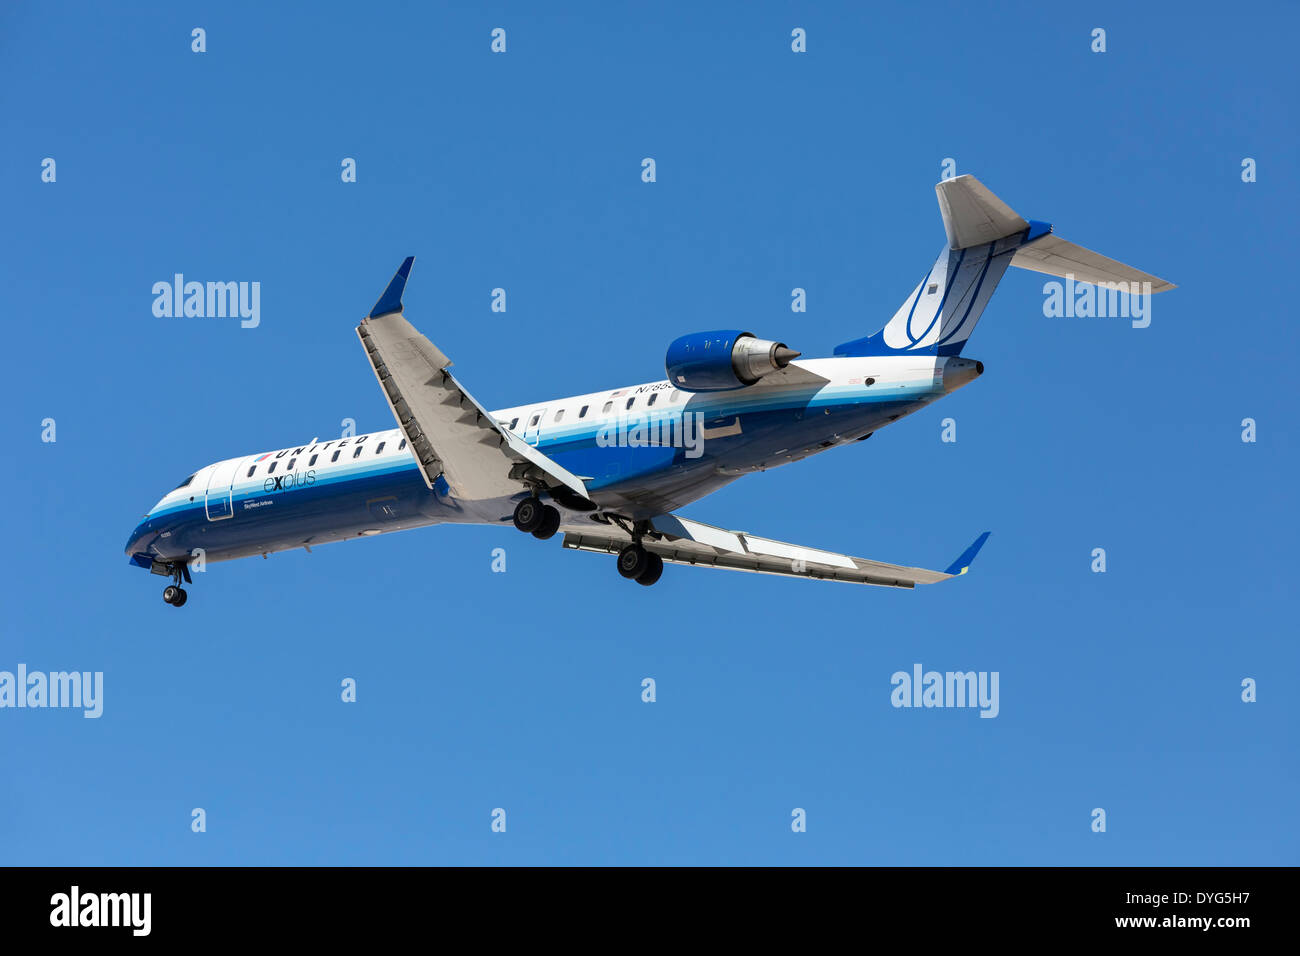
<point x="775" y="170"/>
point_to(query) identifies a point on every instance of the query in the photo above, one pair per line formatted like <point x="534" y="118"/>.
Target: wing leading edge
<point x="682" y="541"/>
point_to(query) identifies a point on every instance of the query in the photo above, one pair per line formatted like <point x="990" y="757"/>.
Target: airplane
<point x="609" y="470"/>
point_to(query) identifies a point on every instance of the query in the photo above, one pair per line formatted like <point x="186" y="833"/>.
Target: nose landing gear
<point x="174" y="594"/>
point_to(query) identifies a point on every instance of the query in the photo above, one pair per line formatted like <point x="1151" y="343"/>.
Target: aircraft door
<point x="533" y="430"/>
<point x="220" y="486"/>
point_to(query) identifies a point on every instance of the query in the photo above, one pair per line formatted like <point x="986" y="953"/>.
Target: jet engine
<point x="717" y="361"/>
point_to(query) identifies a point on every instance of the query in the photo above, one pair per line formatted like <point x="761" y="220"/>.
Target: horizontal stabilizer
<point x="1058" y="257"/>
<point x="973" y="216"/>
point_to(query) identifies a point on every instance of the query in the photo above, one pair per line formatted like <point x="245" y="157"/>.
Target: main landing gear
<point x="537" y="519"/>
<point x="642" y="566"/>
<point x="634" y="561"/>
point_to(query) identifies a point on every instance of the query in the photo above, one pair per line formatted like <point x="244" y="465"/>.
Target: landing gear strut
<point x="537" y="519"/>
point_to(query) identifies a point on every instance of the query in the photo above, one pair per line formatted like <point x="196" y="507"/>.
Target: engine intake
<point x="717" y="361"/>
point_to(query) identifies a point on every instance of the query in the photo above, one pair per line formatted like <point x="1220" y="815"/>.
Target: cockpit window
<point x="185" y="482"/>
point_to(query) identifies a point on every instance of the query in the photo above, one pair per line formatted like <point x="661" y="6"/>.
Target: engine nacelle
<point x="717" y="361"/>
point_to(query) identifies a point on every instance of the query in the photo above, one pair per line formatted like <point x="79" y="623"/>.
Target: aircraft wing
<point x="451" y="434"/>
<point x="682" y="541"/>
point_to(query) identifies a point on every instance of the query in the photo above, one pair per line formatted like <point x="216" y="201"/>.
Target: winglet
<point x="391" y="300"/>
<point x="963" y="563"/>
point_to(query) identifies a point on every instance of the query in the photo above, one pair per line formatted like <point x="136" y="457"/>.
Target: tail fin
<point x="985" y="235"/>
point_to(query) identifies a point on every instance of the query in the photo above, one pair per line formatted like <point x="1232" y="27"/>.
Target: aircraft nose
<point x="140" y="538"/>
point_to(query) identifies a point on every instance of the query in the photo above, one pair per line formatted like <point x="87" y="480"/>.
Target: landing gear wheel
<point x="549" y="525"/>
<point x="174" y="596"/>
<point x="653" y="572"/>
<point x="529" y="514"/>
<point x="181" y="598"/>
<point x="633" y="561"/>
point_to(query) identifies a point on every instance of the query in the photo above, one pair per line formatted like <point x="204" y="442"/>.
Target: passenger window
<point x="403" y="444"/>
<point x="630" y="402"/>
<point x="653" y="396"/>
<point x="271" y="470"/>
<point x="606" y="409"/>
<point x="313" y="460"/>
<point x="676" y="396"/>
<point x="513" y="423"/>
<point x="534" y="421"/>
<point x="335" y="456"/>
<point x="357" y="453"/>
<point x="380" y="449"/>
<point x="559" y="415"/>
<point x="289" y="467"/>
<point x="582" y="413"/>
<point x="250" y="472"/>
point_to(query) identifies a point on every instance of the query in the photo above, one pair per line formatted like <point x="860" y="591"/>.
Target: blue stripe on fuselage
<point x="333" y="502"/>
